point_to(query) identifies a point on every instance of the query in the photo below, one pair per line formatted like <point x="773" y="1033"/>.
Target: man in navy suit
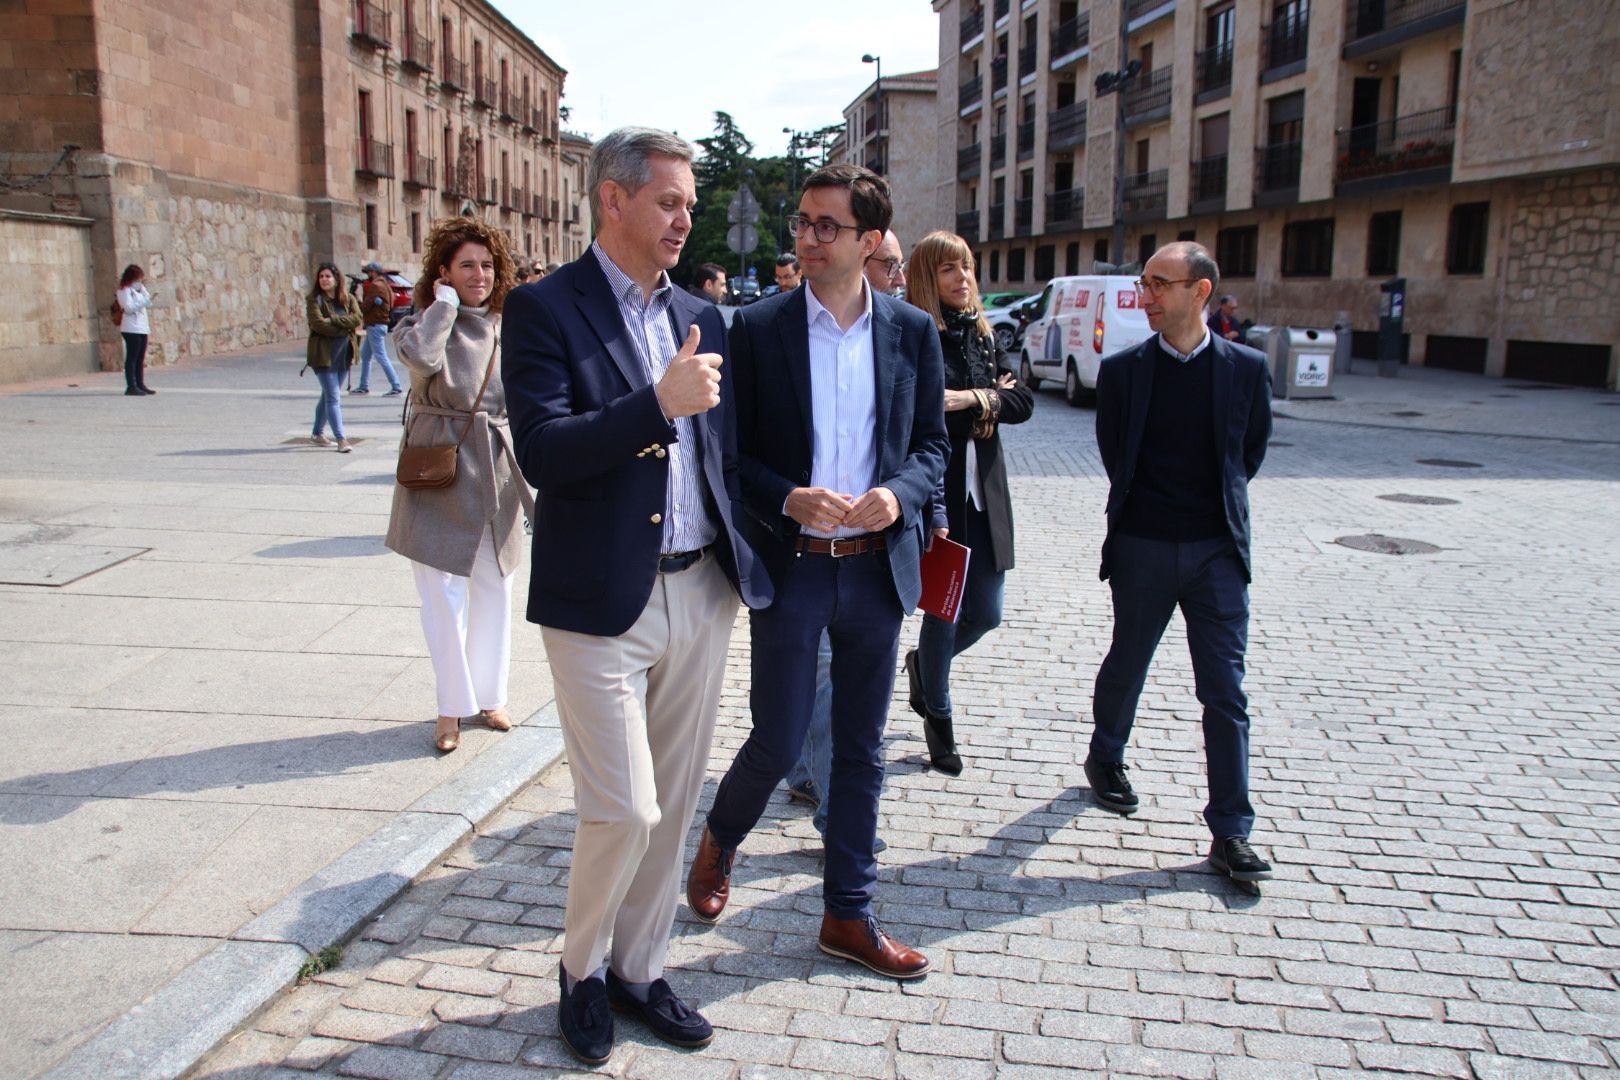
<point x="629" y="435"/>
<point x="841" y="437"/>
<point x="1182" y="423"/>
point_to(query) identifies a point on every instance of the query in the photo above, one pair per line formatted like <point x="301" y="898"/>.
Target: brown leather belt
<point x="840" y="546"/>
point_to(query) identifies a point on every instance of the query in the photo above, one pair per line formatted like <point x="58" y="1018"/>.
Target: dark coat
<point x="770" y="349"/>
<point x="584" y="420"/>
<point x="1017" y="405"/>
<point x="327" y="325"/>
<point x="1242" y="410"/>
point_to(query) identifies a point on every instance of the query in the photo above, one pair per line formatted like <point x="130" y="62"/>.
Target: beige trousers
<point x="638" y="714"/>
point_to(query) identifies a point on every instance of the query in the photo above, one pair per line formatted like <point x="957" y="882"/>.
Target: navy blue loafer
<point x="670" y="1018"/>
<point x="585" y="1020"/>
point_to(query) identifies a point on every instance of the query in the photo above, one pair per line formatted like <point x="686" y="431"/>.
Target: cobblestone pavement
<point x="1435" y="749"/>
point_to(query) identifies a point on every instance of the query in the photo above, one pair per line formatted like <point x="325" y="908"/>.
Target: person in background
<point x="981" y="394"/>
<point x="886" y="269"/>
<point x="788" y="274"/>
<point x="334" y="334"/>
<point x="1223" y="320"/>
<point x="376" y="302"/>
<point x="464" y="541"/>
<point x="711" y="283"/>
<point x="134" y="299"/>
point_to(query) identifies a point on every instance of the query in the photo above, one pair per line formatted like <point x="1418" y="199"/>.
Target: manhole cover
<point x="1406" y="412"/>
<point x="1386" y="545"/>
<point x="1449" y="463"/>
<point x="1419" y="500"/>
<point x="1291" y="444"/>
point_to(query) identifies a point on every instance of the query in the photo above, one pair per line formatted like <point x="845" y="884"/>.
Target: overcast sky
<point x="768" y="63"/>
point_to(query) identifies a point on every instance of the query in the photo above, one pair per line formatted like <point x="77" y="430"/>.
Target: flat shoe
<point x="447" y="740"/>
<point x="495" y="719"/>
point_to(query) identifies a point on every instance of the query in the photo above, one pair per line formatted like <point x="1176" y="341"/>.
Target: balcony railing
<point x="967" y="225"/>
<point x="553" y="206"/>
<point x="484" y="93"/>
<point x="418" y="171"/>
<point x="512" y="197"/>
<point x="1135" y="9"/>
<point x="373" y="158"/>
<point x="998" y="220"/>
<point x="998" y="73"/>
<point x="1208" y="185"/>
<point x="970" y="92"/>
<point x="370" y="24"/>
<point x="1146" y="195"/>
<point x="874" y="161"/>
<point x="1065" y="209"/>
<point x="454" y="75"/>
<point x="1282" y="45"/>
<point x="969" y="161"/>
<point x="1405" y="151"/>
<point x="1276" y="169"/>
<point x="453" y="187"/>
<point x="489" y="194"/>
<point x="1026" y="59"/>
<point x="1214" y="68"/>
<point x="1148" y="99"/>
<point x="1026" y="140"/>
<point x="511" y="109"/>
<point x="1375" y="24"/>
<point x="418" y="52"/>
<point x="1071" y="35"/>
<point x="998" y="149"/>
<point x="1066" y="126"/>
<point x="1002" y="7"/>
<point x="1023" y="216"/>
<point x="972" y="27"/>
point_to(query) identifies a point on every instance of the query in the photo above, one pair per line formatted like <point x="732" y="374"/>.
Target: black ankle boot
<point x="941" y="739"/>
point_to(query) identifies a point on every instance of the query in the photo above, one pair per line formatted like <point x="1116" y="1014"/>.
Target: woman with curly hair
<point x="334" y="333"/>
<point x="464" y="540"/>
<point x="981" y="394"/>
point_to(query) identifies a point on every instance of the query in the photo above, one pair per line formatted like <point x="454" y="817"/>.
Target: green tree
<point x="725" y="163"/>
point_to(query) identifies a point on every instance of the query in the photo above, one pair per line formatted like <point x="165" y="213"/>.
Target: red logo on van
<point x="1126" y="299"/>
<point x="1082" y="299"/>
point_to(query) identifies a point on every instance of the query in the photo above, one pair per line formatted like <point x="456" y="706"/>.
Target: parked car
<point x="1076" y="322"/>
<point x="1007" y="323"/>
<point x="1001" y="299"/>
<point x="404" y="304"/>
<point x="744" y="290"/>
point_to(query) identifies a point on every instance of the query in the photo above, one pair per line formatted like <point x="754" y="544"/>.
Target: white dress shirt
<point x="843" y="397"/>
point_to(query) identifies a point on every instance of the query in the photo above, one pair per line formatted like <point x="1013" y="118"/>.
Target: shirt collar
<point x="624" y="288"/>
<point x="1203" y="343"/>
<point x="814" y="308"/>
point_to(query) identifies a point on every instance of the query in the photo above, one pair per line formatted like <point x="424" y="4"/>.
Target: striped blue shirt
<point x="687" y="525"/>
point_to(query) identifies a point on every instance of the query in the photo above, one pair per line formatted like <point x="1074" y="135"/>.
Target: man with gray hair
<point x="886" y="268"/>
<point x="1182" y="424"/>
<point x="627" y="434"/>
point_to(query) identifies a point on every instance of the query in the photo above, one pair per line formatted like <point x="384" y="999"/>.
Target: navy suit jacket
<point x="770" y="349"/>
<point x="587" y="429"/>
<point x="1242" y="409"/>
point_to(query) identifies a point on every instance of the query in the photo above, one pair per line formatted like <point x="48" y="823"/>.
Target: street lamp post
<point x="877" y="105"/>
<point x="1116" y="82"/>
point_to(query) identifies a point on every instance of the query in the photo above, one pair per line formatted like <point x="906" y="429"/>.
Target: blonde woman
<point x="465" y="540"/>
<point x="981" y="394"/>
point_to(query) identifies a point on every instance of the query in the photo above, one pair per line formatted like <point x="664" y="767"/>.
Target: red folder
<point x="944" y="569"/>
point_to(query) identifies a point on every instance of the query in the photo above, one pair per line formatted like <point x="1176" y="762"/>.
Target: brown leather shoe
<point x="708" y="886"/>
<point x="864" y="942"/>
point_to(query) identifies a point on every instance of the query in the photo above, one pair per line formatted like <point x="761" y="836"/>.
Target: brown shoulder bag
<point x="435" y="466"/>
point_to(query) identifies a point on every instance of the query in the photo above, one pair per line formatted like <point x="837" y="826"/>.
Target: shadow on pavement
<point x="332" y="547"/>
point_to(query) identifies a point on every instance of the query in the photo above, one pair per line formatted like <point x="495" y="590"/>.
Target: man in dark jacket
<point x="376" y="303"/>
<point x="1182" y="424"/>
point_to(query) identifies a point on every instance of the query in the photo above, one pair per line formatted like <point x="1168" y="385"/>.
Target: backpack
<point x="116" y="313"/>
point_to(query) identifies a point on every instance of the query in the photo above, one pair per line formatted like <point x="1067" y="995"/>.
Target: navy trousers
<point x="852" y="598"/>
<point x="1205" y="578"/>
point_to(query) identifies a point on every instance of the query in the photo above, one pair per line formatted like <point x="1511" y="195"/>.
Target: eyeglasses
<point x="1156" y="286"/>
<point x="892" y="266"/>
<point x="826" y="231"/>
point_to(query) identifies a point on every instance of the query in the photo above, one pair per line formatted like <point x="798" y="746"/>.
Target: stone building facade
<point x="1471" y="147"/>
<point x="890" y="130"/>
<point x="226" y="146"/>
<point x="576" y="203"/>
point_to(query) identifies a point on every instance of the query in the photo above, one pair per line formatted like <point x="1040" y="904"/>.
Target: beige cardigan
<point x="447" y="350"/>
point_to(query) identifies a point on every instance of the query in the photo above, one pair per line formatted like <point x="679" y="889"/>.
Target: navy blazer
<point x="1242" y="407"/>
<point x="770" y="349"/>
<point x="587" y="429"/>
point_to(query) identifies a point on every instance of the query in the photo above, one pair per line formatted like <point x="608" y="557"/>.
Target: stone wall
<point x="48" y="323"/>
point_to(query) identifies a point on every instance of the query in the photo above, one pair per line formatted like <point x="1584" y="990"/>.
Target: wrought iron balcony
<point x="998" y="149"/>
<point x="484" y="93"/>
<point x="418" y="171"/>
<point x="373" y="158"/>
<point x="998" y="220"/>
<point x="418" y="52"/>
<point x="511" y="197"/>
<point x="998" y="73"/>
<point x="1002" y="7"/>
<point x="1135" y="9"/>
<point x="370" y="24"/>
<point x="972" y="27"/>
<point x="454" y="75"/>
<point x="1066" y="127"/>
<point x="967" y="225"/>
<point x="970" y="92"/>
<point x="1207" y="189"/>
<point x="1023" y="216"/>
<point x="969" y="161"/>
<point x="1407" y="151"/>
<point x="554" y="216"/>
<point x="1214" y="68"/>
<point x="510" y="108"/>
<point x="454" y="187"/>
<point x="1146" y="195"/>
<point x="1071" y="35"/>
<point x="1026" y="59"/>
<point x="1282" y="46"/>
<point x="1026" y="140"/>
<point x="1370" y="25"/>
<point x="489" y="194"/>
<point x="1148" y="98"/>
<point x="1276" y="173"/>
<point x="1065" y="209"/>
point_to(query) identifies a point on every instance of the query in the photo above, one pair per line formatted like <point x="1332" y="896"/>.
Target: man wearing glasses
<point x="1182" y="424"/>
<point x="788" y="273"/>
<point x="886" y="268"/>
<point x="841" y="441"/>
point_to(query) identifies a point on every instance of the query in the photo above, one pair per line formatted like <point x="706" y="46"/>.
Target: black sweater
<point x="1176" y="494"/>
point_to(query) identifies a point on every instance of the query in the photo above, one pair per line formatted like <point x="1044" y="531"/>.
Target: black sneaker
<point x="670" y="1018"/>
<point x="1111" y="786"/>
<point x="585" y="1020"/>
<point x="1233" y="857"/>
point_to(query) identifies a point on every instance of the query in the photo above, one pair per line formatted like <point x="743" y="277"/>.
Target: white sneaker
<point x="320" y="440"/>
<point x="343" y="446"/>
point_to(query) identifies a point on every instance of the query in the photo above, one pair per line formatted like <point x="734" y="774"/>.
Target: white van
<point x="1078" y="321"/>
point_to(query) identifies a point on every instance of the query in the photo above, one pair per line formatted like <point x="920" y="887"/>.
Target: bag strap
<point x="479" y="400"/>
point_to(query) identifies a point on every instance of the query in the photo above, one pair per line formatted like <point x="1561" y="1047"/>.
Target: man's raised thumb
<point x="693" y="336"/>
